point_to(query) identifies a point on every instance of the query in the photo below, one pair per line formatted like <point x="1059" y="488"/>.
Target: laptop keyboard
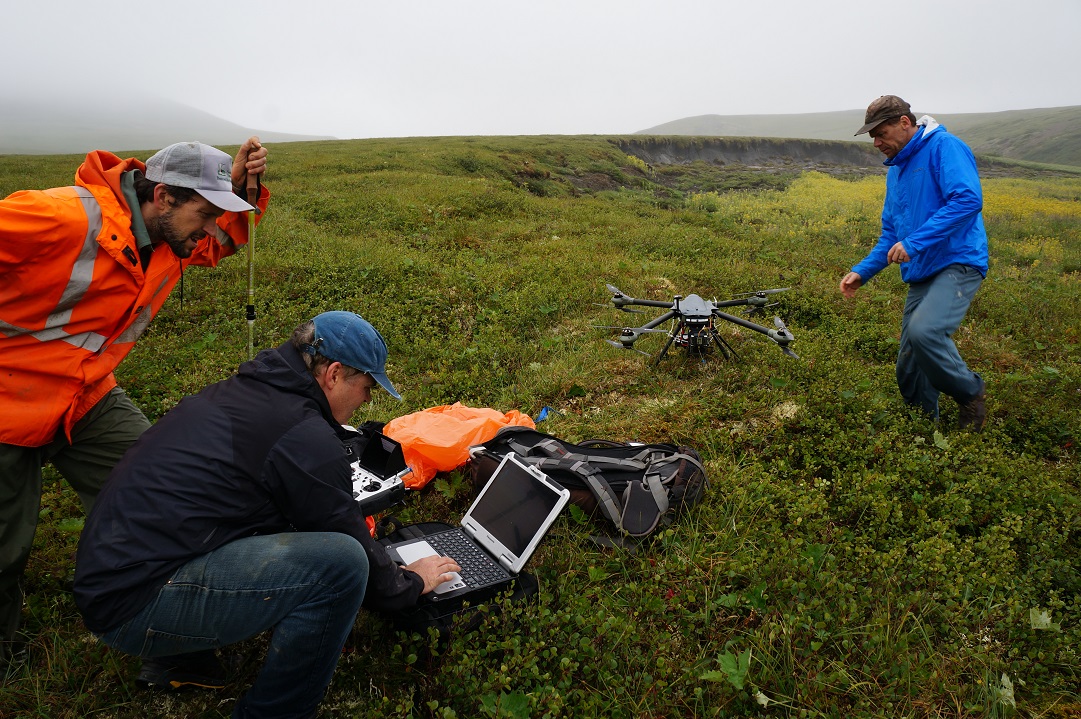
<point x="478" y="569"/>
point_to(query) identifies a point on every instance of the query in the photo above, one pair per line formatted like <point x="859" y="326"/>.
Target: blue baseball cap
<point x="348" y="338"/>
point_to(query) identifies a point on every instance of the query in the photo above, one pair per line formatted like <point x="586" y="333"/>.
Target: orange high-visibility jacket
<point x="74" y="296"/>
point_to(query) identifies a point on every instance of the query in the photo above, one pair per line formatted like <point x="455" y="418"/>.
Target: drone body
<point x="694" y="325"/>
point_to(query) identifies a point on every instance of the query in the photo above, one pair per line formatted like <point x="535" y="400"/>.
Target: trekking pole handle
<point x="253" y="191"/>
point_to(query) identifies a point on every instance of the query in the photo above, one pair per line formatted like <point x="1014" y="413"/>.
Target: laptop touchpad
<point x="418" y="550"/>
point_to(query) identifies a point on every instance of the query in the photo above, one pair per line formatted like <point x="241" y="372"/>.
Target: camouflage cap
<point x="884" y="108"/>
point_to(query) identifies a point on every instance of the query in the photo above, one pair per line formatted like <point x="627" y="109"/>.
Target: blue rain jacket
<point x="933" y="204"/>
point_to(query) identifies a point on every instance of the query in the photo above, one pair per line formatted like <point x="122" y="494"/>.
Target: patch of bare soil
<point x="761" y="154"/>
<point x="593" y="182"/>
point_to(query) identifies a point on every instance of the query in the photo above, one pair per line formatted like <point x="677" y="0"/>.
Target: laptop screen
<point x="515" y="508"/>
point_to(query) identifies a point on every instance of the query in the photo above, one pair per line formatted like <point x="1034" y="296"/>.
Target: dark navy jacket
<point x="259" y="453"/>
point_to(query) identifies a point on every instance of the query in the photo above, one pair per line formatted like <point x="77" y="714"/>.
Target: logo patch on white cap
<point x="199" y="167"/>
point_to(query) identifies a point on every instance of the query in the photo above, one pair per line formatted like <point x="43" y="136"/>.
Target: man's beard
<point x="161" y="229"/>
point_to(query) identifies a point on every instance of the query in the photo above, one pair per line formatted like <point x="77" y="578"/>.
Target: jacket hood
<point x="105" y="168"/>
<point x="284" y="369"/>
<point x="926" y="125"/>
<point x="929" y="124"/>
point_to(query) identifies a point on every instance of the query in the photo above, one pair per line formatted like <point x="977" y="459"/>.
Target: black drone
<point x="694" y="322"/>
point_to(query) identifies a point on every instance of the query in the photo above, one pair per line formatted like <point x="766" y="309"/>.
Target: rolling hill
<point x="1045" y="135"/>
<point x="64" y="124"/>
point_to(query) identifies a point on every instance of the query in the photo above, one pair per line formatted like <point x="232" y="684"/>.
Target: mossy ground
<point x="851" y="559"/>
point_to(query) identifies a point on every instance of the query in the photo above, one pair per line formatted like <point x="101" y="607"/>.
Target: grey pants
<point x="99" y="439"/>
<point x="928" y="362"/>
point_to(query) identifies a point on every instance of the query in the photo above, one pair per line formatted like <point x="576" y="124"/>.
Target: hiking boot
<point x="13" y="655"/>
<point x="973" y="414"/>
<point x="197" y="669"/>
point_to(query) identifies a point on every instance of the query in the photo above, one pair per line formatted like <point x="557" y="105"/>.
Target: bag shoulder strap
<point x="551" y="447"/>
<point x="594" y="481"/>
<point x="650" y="497"/>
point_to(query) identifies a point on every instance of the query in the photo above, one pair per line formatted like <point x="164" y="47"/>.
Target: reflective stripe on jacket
<point x="74" y="297"/>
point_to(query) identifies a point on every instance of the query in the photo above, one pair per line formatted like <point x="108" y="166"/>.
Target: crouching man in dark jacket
<point x="234" y="514"/>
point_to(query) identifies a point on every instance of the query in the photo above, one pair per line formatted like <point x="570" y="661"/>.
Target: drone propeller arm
<point x="780" y="336"/>
<point x="659" y="321"/>
<point x="742" y="322"/>
<point x="622" y="301"/>
<point x="757" y="299"/>
<point x="735" y="303"/>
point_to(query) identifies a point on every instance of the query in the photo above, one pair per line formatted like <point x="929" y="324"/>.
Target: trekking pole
<point x="253" y="199"/>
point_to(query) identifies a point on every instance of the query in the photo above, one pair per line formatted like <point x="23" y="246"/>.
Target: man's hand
<point x="434" y="570"/>
<point x="850" y="284"/>
<point x="250" y="160"/>
<point x="897" y="254"/>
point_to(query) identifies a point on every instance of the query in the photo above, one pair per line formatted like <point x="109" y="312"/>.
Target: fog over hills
<point x="1047" y="135"/>
<point x="70" y="124"/>
<point x="37" y="121"/>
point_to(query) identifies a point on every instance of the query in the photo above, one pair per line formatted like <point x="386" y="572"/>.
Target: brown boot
<point x="973" y="413"/>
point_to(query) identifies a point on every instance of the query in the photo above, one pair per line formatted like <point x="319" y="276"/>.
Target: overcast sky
<point x="356" y="68"/>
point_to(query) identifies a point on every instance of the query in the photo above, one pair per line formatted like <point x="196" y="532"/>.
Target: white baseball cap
<point x="199" y="167"/>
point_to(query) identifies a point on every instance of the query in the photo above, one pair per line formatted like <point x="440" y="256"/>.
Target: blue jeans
<point x="928" y="362"/>
<point x="307" y="586"/>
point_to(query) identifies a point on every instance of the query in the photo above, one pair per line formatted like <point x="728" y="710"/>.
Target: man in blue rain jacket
<point x="931" y="227"/>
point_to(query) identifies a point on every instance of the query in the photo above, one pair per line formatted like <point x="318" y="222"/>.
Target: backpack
<point x="453" y="616"/>
<point x="635" y="487"/>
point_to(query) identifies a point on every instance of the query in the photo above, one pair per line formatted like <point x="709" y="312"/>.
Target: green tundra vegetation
<point x="850" y="559"/>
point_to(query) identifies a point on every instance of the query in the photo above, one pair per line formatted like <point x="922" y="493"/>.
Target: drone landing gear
<point x="664" y="350"/>
<point x="727" y="350"/>
<point x="697" y="341"/>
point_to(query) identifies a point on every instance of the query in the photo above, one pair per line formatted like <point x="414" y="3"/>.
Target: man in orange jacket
<point x="83" y="270"/>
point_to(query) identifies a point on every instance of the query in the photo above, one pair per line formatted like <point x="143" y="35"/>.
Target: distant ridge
<point x="1047" y="135"/>
<point x="805" y="126"/>
<point x="64" y="125"/>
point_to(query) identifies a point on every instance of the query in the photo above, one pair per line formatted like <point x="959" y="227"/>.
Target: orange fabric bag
<point x="438" y="439"/>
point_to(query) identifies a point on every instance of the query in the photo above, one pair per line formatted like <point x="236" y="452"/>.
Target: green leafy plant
<point x="733" y="669"/>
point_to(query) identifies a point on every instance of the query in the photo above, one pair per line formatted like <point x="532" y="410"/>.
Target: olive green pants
<point x="99" y="439"/>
